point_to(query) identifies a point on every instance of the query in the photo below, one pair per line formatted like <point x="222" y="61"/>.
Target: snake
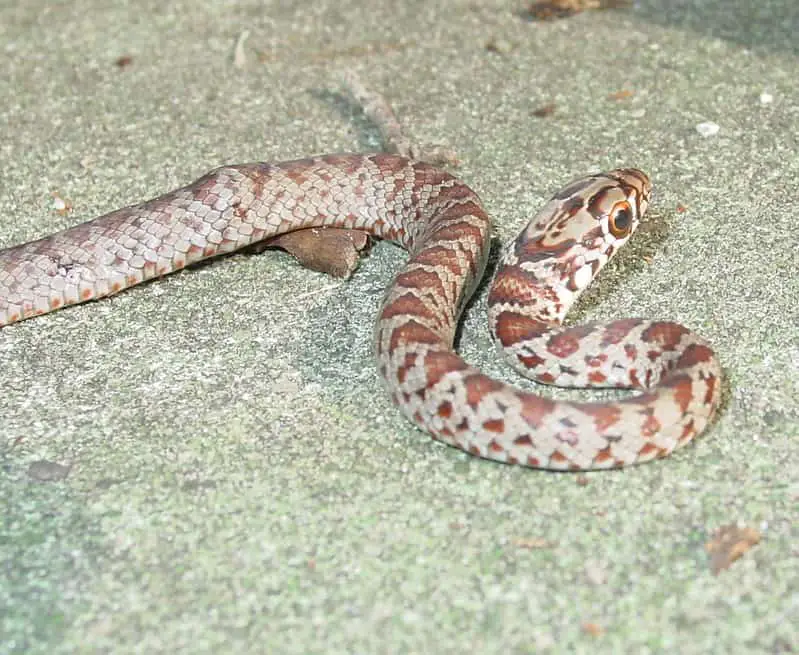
<point x="443" y="225"/>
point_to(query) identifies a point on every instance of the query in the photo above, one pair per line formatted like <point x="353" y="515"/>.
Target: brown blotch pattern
<point x="511" y="328"/>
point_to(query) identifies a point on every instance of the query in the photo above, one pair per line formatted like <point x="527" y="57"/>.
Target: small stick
<point x="379" y="111"/>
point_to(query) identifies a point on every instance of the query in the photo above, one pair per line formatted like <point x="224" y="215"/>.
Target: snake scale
<point x="443" y="225"/>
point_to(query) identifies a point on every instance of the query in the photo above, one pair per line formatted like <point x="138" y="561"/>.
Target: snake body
<point x="444" y="227"/>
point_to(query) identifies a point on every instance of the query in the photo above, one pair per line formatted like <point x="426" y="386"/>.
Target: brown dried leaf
<point x="532" y="543"/>
<point x="593" y="629"/>
<point x="544" y="110"/>
<point x="554" y="9"/>
<point x="621" y="94"/>
<point x="330" y="250"/>
<point x="728" y="544"/>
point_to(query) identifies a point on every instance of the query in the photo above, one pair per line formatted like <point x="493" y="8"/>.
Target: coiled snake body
<point x="442" y="223"/>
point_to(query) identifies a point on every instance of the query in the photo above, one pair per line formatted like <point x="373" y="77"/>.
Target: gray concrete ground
<point x="238" y="480"/>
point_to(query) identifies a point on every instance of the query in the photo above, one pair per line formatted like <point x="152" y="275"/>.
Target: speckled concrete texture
<point x="234" y="478"/>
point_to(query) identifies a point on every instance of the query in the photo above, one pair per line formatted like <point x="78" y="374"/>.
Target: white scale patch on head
<point x="582" y="277"/>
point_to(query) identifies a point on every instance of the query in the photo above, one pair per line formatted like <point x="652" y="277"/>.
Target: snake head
<point x="600" y="218"/>
<point x="568" y="242"/>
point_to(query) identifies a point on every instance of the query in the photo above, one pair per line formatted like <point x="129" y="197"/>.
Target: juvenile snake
<point x="443" y="225"/>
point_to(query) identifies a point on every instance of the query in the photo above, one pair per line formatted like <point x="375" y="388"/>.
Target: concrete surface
<point x="237" y="482"/>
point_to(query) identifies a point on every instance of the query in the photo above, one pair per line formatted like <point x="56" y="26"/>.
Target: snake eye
<point x="620" y="220"/>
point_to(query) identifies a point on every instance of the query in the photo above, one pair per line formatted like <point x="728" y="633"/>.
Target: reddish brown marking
<point x="573" y="205"/>
<point x="13" y="318"/>
<point x="345" y="163"/>
<point x="711" y="383"/>
<point x="631" y="351"/>
<point x="426" y="174"/>
<point x="201" y="192"/>
<point x="682" y="388"/>
<point x="535" y="409"/>
<point x="559" y="457"/>
<point x="240" y="210"/>
<point x="445" y="409"/>
<point x="666" y="334"/>
<point x="643" y="180"/>
<point x="474" y="449"/>
<point x="495" y="447"/>
<point x="653" y="355"/>
<point x="545" y="378"/>
<point x="688" y="431"/>
<point x="438" y="364"/>
<point x="695" y="354"/>
<point x="523" y="441"/>
<point x="605" y="416"/>
<point x="596" y="361"/>
<point x="648" y="449"/>
<point x="408" y="305"/>
<point x="514" y="285"/>
<point x="512" y="328"/>
<point x="86" y="294"/>
<point x="412" y="332"/>
<point x="116" y="287"/>
<point x="531" y="361"/>
<point x="407" y="364"/>
<point x="494" y="425"/>
<point x="400" y="184"/>
<point x="451" y="228"/>
<point x="419" y="278"/>
<point x="440" y="256"/>
<point x="566" y="343"/>
<point x="478" y="386"/>
<point x="386" y="163"/>
<point x="597" y="377"/>
<point x="533" y="461"/>
<point x="604" y="455"/>
<point x="535" y="250"/>
<point x="650" y="427"/>
<point x="55" y="303"/>
<point x="297" y="171"/>
<point x="617" y="331"/>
